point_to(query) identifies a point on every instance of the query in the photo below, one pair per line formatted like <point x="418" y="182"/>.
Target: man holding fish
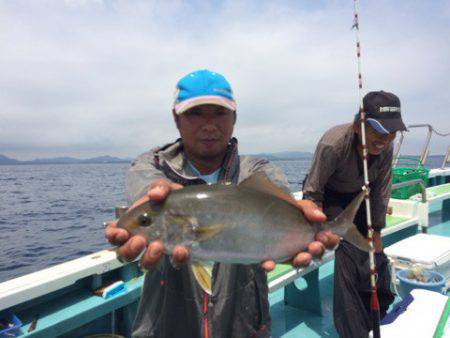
<point x="194" y="225"/>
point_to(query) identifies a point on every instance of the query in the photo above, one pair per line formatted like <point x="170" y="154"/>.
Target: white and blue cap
<point x="203" y="87"/>
<point x="383" y="112"/>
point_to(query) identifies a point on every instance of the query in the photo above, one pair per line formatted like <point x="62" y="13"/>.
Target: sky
<point x="85" y="78"/>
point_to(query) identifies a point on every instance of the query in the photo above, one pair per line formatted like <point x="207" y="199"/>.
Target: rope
<point x="374" y="305"/>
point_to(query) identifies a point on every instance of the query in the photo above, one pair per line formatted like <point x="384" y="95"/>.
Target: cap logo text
<point x="389" y="109"/>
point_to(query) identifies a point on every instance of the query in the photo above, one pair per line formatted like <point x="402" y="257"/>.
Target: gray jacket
<point x="172" y="304"/>
<point x="337" y="169"/>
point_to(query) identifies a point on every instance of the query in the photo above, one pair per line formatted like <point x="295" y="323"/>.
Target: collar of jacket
<point x="172" y="160"/>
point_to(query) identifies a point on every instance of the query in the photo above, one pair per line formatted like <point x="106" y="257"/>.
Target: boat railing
<point x="413" y="182"/>
<point x="425" y="149"/>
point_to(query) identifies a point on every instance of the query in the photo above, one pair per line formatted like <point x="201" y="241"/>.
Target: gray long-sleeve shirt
<point x="337" y="166"/>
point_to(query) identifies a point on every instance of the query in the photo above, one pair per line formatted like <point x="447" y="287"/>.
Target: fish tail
<point x="343" y="225"/>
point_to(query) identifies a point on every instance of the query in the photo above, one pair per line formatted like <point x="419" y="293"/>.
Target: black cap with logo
<point x="383" y="112"/>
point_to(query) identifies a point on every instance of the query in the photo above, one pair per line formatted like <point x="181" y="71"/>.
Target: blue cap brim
<point x="181" y="107"/>
<point x="377" y="126"/>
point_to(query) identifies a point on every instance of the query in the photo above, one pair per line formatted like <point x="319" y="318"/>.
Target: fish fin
<point x="180" y="219"/>
<point x="354" y="237"/>
<point x="206" y="232"/>
<point x="343" y="225"/>
<point x="187" y="223"/>
<point x="260" y="182"/>
<point x="190" y="225"/>
<point x="203" y="276"/>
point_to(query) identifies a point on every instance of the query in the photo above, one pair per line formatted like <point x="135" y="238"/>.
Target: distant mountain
<point x="285" y="155"/>
<point x="65" y="160"/>
<point x="106" y="159"/>
<point x="7" y="160"/>
<point x="53" y="160"/>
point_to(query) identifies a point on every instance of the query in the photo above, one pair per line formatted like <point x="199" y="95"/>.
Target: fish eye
<point x="145" y="220"/>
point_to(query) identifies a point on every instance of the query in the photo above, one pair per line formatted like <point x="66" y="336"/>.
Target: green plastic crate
<point x="408" y="174"/>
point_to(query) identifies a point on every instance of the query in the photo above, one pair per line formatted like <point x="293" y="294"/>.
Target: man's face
<point x="206" y="130"/>
<point x="375" y="141"/>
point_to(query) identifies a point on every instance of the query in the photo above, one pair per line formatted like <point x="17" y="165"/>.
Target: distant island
<point x="4" y="160"/>
<point x="285" y="155"/>
<point x="64" y="160"/>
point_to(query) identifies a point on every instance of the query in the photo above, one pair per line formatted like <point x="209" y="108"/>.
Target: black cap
<point x="383" y="112"/>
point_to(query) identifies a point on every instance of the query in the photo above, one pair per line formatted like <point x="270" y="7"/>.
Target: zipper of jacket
<point x="205" y="315"/>
<point x="231" y="157"/>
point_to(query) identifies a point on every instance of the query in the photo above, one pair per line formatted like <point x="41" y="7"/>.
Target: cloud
<point x="85" y="78"/>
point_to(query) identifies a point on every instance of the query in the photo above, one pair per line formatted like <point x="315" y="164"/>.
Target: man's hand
<point x="324" y="239"/>
<point x="131" y="247"/>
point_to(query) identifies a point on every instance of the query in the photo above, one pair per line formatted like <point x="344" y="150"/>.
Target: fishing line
<point x="374" y="304"/>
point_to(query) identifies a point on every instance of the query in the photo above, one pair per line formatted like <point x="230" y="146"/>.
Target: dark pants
<point x="352" y="291"/>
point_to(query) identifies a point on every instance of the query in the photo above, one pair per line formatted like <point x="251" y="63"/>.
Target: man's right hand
<point x="131" y="246"/>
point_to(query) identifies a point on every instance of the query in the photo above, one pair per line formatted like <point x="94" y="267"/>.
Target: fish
<point x="417" y="272"/>
<point x="247" y="223"/>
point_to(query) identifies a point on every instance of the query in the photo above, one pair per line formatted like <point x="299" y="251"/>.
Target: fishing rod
<point x="374" y="304"/>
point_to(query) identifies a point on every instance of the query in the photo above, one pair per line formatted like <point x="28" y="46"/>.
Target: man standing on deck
<point x="336" y="176"/>
<point x="172" y="303"/>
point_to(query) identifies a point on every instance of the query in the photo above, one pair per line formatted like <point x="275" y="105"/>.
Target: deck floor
<point x="288" y="321"/>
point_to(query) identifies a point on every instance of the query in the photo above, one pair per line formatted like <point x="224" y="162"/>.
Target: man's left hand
<point x="323" y="239"/>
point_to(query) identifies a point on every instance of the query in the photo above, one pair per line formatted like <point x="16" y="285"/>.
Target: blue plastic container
<point x="406" y="284"/>
<point x="15" y="324"/>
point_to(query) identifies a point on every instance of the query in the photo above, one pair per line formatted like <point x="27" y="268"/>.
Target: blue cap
<point x="203" y="87"/>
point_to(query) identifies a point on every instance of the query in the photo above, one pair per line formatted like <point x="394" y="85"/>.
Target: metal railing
<point x="426" y="147"/>
<point x="413" y="182"/>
